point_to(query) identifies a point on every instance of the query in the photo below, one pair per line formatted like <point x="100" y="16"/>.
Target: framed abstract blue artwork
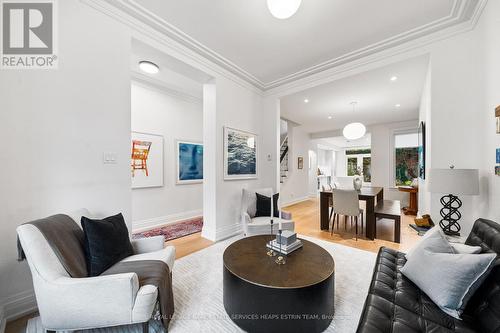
<point x="240" y="154"/>
<point x="498" y="155"/>
<point x="189" y="162"/>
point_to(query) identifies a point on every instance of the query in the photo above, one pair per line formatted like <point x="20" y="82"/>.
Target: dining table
<point x="370" y="194"/>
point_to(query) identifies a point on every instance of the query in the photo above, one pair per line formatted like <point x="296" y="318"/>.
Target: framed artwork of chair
<point x="146" y="160"/>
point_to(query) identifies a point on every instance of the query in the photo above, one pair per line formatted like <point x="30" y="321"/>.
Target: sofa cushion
<point x="466" y="249"/>
<point x="263" y="205"/>
<point x="249" y="199"/>
<point x="106" y="243"/>
<point x="396" y="305"/>
<point x="434" y="240"/>
<point x="449" y="279"/>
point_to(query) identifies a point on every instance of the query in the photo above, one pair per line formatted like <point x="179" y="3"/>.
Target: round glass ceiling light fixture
<point x="283" y="9"/>
<point x="354" y="131"/>
<point x="149" y="67"/>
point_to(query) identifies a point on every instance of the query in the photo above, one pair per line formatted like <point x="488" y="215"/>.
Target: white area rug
<point x="198" y="292"/>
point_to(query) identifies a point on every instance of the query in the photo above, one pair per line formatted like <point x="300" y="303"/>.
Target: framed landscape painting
<point x="146" y="160"/>
<point x="189" y="162"/>
<point x="240" y="154"/>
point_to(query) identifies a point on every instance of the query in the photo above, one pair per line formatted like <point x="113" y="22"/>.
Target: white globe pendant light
<point x="283" y="9"/>
<point x="354" y="131"/>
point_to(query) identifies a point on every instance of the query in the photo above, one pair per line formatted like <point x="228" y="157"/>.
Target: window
<point x="406" y="158"/>
<point x="359" y="159"/>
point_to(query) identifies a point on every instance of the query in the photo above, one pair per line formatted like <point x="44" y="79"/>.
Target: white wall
<point x="158" y="112"/>
<point x="296" y="186"/>
<point x="490" y="26"/>
<point x="383" y="158"/>
<point x="464" y="85"/>
<point x="54" y="127"/>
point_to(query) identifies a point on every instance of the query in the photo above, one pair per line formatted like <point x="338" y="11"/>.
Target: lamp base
<point x="450" y="215"/>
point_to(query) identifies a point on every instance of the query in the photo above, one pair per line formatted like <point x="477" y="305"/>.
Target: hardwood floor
<point x="306" y="217"/>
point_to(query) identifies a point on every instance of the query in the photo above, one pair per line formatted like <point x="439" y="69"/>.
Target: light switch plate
<point x="110" y="158"/>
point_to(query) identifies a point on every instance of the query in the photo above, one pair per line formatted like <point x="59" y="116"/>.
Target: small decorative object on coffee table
<point x="285" y="243"/>
<point x="270" y="252"/>
<point x="281" y="259"/>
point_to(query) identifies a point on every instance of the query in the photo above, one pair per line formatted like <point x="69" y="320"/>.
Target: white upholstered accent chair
<point x="260" y="225"/>
<point x="346" y="203"/>
<point x="66" y="303"/>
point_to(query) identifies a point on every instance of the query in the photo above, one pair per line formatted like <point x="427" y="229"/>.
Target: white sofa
<point x="66" y="303"/>
<point x="259" y="225"/>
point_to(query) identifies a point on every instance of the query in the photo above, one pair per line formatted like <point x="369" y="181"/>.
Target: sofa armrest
<point x="149" y="244"/>
<point x="101" y="301"/>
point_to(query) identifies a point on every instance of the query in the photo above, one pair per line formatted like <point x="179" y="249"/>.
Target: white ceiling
<point x="174" y="76"/>
<point x="375" y="93"/>
<point x="267" y="49"/>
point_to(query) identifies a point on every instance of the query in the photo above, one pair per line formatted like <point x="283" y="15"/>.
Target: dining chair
<point x="346" y="203"/>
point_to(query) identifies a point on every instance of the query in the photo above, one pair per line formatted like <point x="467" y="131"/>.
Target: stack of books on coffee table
<point x="285" y="249"/>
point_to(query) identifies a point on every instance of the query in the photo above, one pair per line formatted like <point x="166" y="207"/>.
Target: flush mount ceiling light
<point x="398" y="105"/>
<point x="394" y="78"/>
<point x="330" y="117"/>
<point x="149" y="67"/>
<point x="354" y="131"/>
<point x="306" y="101"/>
<point x="283" y="9"/>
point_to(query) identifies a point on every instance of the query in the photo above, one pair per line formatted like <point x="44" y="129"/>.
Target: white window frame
<point x="392" y="168"/>
<point x="359" y="161"/>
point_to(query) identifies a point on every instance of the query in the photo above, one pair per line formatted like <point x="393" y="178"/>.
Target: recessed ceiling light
<point x="330" y="117"/>
<point x="398" y="105"/>
<point x="394" y="78"/>
<point x="306" y="101"/>
<point x="149" y="67"/>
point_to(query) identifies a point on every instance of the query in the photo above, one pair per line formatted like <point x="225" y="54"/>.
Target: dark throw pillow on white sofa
<point x="106" y="242"/>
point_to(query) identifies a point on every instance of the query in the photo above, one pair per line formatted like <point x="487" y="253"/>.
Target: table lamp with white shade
<point x="452" y="182"/>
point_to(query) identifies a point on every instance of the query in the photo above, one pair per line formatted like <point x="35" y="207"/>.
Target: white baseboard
<point x="228" y="231"/>
<point x="144" y="225"/>
<point x="19" y="305"/>
<point x="295" y="201"/>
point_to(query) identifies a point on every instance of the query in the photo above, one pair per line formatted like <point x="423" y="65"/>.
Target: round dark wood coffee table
<point x="262" y="296"/>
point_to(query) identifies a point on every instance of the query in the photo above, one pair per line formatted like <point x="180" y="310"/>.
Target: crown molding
<point x="463" y="13"/>
<point x="463" y="17"/>
<point x="165" y="88"/>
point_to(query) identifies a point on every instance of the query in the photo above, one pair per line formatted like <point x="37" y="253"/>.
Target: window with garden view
<point x="406" y="158"/>
<point x="359" y="161"/>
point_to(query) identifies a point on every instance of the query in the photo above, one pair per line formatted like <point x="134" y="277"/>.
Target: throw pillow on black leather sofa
<point x="396" y="305"/>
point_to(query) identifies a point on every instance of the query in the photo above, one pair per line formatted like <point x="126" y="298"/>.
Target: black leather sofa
<point x="396" y="305"/>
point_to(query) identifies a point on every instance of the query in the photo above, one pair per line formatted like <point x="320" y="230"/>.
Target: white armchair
<point x="260" y="225"/>
<point x="66" y="303"/>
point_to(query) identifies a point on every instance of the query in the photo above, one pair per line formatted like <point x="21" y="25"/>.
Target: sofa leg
<point x="145" y="327"/>
<point x="50" y="331"/>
